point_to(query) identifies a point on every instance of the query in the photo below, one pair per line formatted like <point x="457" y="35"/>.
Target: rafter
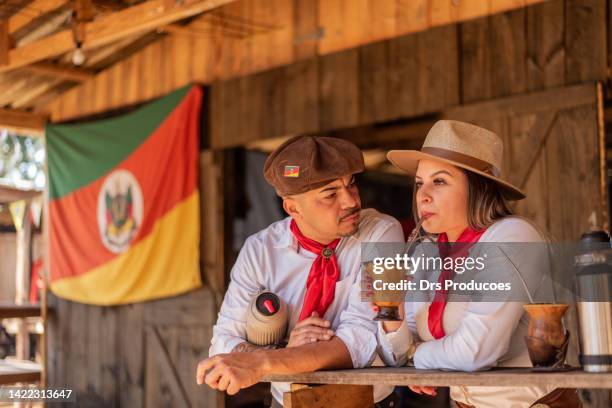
<point x="5" y="42"/>
<point x="106" y="29"/>
<point x="60" y="71"/>
<point x="31" y="123"/>
<point x="32" y="11"/>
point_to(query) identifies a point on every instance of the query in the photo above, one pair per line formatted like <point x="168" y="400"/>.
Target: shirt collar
<point x="286" y="238"/>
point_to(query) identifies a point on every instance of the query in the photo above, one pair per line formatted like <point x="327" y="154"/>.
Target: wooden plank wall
<point x="414" y="75"/>
<point x="287" y="31"/>
<point x="107" y="354"/>
<point x="549" y="45"/>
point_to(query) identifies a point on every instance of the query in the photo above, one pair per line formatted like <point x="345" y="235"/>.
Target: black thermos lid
<point x="595" y="236"/>
<point x="595" y="240"/>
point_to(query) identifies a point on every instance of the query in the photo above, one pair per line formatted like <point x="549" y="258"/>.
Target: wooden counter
<point x="500" y="377"/>
<point x="13" y="371"/>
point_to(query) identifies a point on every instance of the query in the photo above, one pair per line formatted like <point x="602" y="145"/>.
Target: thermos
<point x="593" y="281"/>
<point x="266" y="321"/>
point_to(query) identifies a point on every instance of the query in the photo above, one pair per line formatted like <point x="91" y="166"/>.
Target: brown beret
<point x="304" y="163"/>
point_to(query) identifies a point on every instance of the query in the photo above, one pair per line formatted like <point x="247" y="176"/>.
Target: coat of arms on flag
<point x="124" y="203"/>
<point x="119" y="210"/>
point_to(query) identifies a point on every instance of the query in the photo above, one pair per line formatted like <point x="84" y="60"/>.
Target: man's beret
<point x="304" y="163"/>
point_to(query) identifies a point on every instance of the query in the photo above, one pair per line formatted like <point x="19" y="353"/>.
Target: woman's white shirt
<point x="479" y="335"/>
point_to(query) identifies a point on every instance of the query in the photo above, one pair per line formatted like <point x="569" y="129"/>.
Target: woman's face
<point x="441" y="198"/>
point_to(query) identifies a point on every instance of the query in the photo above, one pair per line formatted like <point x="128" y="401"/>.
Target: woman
<point x="460" y="197"/>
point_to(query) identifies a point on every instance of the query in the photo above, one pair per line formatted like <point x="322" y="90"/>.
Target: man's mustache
<point x="350" y="212"/>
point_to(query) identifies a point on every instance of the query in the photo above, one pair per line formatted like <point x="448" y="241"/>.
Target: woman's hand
<point x="424" y="389"/>
<point x="391" y="326"/>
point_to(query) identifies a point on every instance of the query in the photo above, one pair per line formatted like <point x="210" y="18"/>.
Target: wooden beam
<point x="30" y="123"/>
<point x="12" y="7"/>
<point x="142" y="17"/>
<point x="5" y="42"/>
<point x="84" y="10"/>
<point x="498" y="377"/>
<point x="28" y="97"/>
<point x="329" y="395"/>
<point x="552" y="99"/>
<point x="12" y="310"/>
<point x="58" y="71"/>
<point x="46" y="25"/>
<point x="83" y="13"/>
<point x="34" y="10"/>
<point x="8" y="194"/>
<point x="14" y="371"/>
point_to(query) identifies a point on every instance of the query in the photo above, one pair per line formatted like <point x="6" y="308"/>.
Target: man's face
<point x="328" y="212"/>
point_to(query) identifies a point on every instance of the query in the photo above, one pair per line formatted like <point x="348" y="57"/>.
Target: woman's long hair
<point x="485" y="202"/>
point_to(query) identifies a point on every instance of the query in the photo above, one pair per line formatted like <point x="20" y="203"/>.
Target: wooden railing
<point x="11" y="370"/>
<point x="14" y="371"/>
<point x="12" y="310"/>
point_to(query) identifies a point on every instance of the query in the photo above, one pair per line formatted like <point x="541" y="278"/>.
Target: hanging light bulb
<point x="78" y="56"/>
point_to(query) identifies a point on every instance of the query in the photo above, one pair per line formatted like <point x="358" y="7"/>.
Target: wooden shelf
<point x="11" y="310"/>
<point x="499" y="377"/>
<point x="13" y="371"/>
<point x="9" y="194"/>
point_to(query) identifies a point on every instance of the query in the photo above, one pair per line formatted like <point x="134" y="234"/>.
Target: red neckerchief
<point x="459" y="250"/>
<point x="324" y="273"/>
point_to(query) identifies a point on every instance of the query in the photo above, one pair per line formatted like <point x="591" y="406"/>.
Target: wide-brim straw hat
<point x="463" y="145"/>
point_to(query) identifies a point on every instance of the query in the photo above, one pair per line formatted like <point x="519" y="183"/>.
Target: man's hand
<point x="310" y="330"/>
<point x="230" y="372"/>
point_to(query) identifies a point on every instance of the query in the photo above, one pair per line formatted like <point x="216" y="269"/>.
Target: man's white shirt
<point x="273" y="260"/>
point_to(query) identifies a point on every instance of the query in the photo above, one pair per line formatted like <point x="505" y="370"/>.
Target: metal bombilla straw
<point x="415" y="235"/>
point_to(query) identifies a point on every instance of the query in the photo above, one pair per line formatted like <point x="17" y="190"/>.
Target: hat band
<point x="469" y="161"/>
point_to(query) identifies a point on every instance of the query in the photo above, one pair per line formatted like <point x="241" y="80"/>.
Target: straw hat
<point x="463" y="145"/>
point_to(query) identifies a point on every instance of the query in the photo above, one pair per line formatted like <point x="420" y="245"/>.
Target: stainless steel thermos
<point x="593" y="288"/>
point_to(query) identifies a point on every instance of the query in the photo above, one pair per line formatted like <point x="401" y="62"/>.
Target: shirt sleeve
<point x="357" y="328"/>
<point x="230" y="329"/>
<point x="394" y="346"/>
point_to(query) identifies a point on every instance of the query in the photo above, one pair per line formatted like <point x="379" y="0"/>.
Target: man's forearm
<point x="331" y="354"/>
<point x="247" y="347"/>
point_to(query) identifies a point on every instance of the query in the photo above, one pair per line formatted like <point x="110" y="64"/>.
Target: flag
<point x="124" y="218"/>
<point x="291" y="171"/>
<point x="18" y="211"/>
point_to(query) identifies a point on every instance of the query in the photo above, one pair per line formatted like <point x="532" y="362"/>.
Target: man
<point x="312" y="261"/>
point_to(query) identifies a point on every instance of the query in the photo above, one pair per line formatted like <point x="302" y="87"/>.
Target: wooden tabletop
<point x="499" y="377"/>
<point x="13" y="371"/>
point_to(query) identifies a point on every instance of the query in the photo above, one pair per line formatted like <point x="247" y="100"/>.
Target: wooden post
<point x="22" y="278"/>
<point x="603" y="179"/>
<point x="329" y="395"/>
<point x="44" y="222"/>
<point x="5" y="42"/>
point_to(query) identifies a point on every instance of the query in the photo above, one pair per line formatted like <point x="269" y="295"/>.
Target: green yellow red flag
<point x="124" y="218"/>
